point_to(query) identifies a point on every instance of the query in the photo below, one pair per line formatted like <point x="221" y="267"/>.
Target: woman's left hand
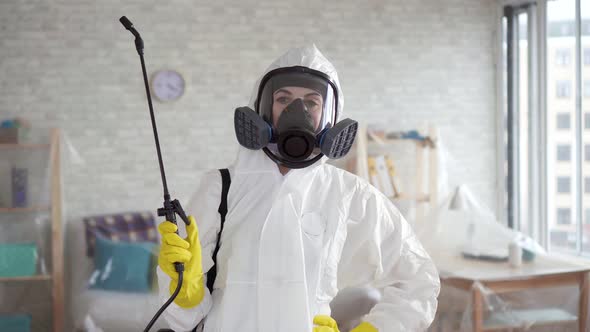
<point x="365" y="327"/>
<point x="324" y="323"/>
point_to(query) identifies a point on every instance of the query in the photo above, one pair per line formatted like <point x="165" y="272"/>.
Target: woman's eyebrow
<point x="282" y="90"/>
<point x="313" y="94"/>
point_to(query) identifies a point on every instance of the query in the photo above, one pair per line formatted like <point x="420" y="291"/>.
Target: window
<point x="563" y="121"/>
<point x="545" y="174"/>
<point x="563" y="57"/>
<point x="564" y="216"/>
<point x="563" y="89"/>
<point x="563" y="184"/>
<point x="564" y="152"/>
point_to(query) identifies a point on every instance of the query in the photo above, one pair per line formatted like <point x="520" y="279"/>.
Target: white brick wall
<point x="71" y="64"/>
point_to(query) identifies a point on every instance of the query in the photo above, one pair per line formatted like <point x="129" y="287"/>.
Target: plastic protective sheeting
<point x="551" y="309"/>
<point x="30" y="270"/>
<point x="32" y="168"/>
<point x="110" y="263"/>
<point x="469" y="244"/>
<point x="482" y="282"/>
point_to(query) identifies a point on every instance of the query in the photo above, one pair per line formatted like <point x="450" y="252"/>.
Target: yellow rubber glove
<point x="187" y="251"/>
<point x="324" y="324"/>
<point x="365" y="327"/>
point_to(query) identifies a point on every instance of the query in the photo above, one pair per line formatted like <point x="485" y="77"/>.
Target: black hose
<point x="157" y="315"/>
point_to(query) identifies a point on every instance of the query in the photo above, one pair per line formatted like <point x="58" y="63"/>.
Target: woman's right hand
<point x="175" y="249"/>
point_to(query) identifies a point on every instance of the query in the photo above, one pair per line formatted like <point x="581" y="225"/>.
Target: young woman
<point x="297" y="230"/>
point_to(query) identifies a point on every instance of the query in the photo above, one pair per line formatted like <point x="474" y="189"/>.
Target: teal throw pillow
<point x="122" y="266"/>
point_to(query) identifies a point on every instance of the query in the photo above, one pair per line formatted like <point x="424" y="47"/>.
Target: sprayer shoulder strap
<point x="225" y="183"/>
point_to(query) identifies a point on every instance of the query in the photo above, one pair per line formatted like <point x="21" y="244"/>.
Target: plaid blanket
<point x="126" y="227"/>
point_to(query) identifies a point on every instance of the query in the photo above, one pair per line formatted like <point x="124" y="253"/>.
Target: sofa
<point x="95" y="310"/>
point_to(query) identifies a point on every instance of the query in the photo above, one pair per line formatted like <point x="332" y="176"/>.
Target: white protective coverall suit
<point x="290" y="242"/>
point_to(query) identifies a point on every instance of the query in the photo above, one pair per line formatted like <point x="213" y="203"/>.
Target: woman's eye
<point x="283" y="100"/>
<point x="311" y="103"/>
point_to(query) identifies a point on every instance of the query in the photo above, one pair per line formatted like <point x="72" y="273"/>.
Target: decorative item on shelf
<point x="392" y="176"/>
<point x="382" y="137"/>
<point x="410" y="134"/>
<point x="19" y="187"/>
<point x="384" y="176"/>
<point x="14" y="130"/>
<point x="15" y="322"/>
<point x="8" y="135"/>
<point x="18" y="260"/>
<point x="373" y="178"/>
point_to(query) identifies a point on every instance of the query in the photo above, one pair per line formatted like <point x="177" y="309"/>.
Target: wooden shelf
<point x="384" y="142"/>
<point x="41" y="277"/>
<point x="23" y="146"/>
<point x="374" y="139"/>
<point x="25" y="209"/>
<point x="426" y="165"/>
<point x="419" y="197"/>
<point x="54" y="209"/>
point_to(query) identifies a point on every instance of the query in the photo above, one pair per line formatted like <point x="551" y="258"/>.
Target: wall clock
<point x="167" y="85"/>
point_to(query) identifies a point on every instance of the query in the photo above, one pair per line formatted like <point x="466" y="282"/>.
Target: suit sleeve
<point x="382" y="251"/>
<point x="203" y="206"/>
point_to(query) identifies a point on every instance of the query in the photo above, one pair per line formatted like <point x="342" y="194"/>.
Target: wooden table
<point x="544" y="272"/>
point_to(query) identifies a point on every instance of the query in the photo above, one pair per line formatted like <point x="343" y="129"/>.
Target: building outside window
<point x="564" y="216"/>
<point x="563" y="121"/>
<point x="563" y="184"/>
<point x="563" y="89"/>
<point x="563" y="57"/>
<point x="564" y="152"/>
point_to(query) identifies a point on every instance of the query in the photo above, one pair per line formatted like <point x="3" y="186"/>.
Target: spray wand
<point x="171" y="207"/>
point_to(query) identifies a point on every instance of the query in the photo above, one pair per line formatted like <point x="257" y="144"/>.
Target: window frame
<point x="538" y="205"/>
